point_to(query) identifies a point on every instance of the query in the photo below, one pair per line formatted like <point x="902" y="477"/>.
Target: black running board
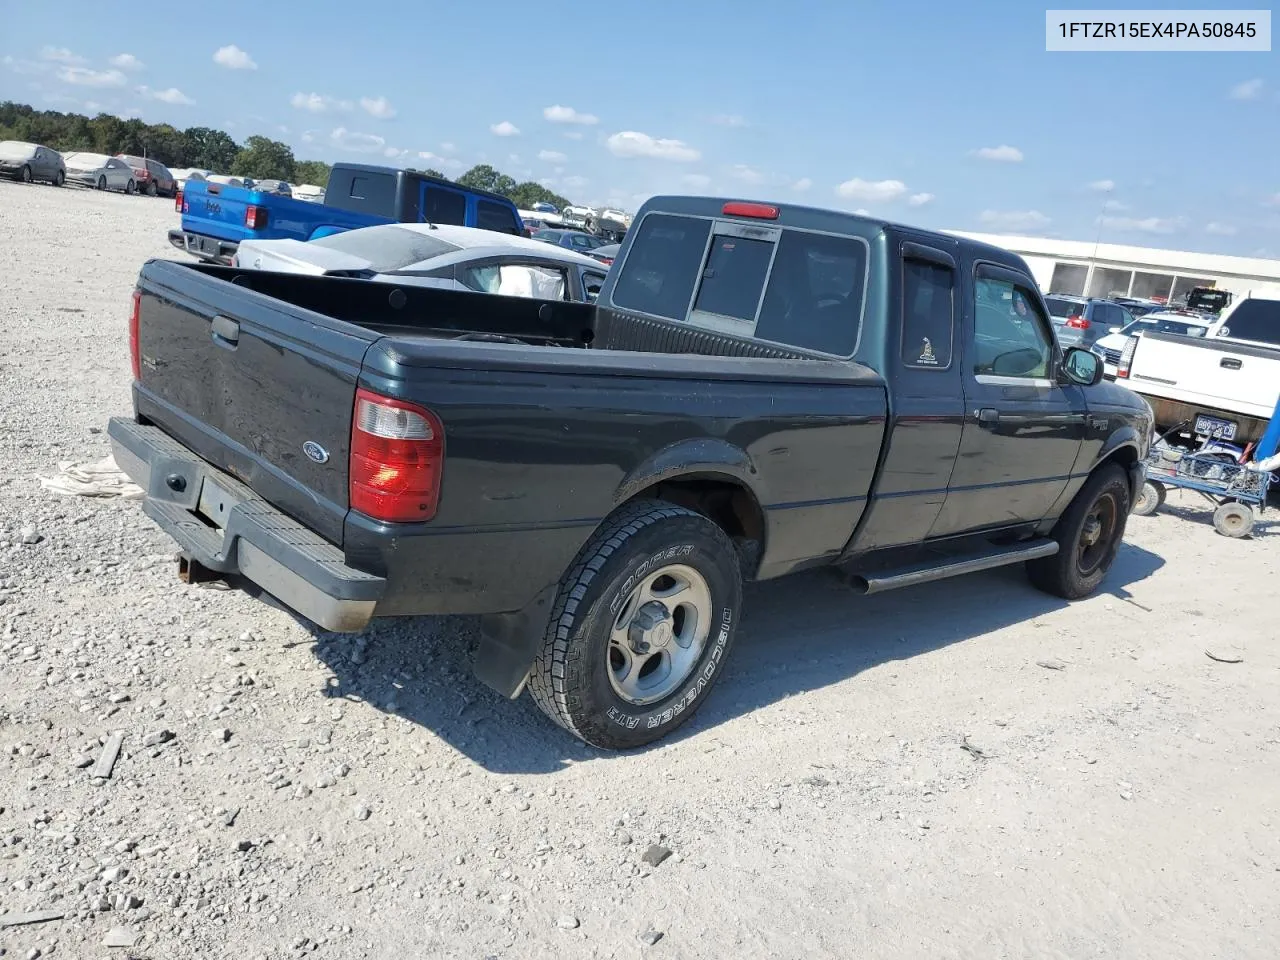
<point x="951" y="566"/>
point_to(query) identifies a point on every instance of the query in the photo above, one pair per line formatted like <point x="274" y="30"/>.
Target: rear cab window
<point x="928" y="313"/>
<point x="782" y="285"/>
<point x="1254" y="319"/>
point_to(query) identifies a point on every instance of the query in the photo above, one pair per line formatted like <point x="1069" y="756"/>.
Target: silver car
<point x="31" y="161"/>
<point x="99" y="171"/>
<point x="436" y="255"/>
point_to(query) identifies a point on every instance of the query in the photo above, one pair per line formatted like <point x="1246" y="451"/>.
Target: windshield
<point x="388" y="247"/>
<point x="86" y="160"/>
<point x="16" y="150"/>
<point x="1064" y="308"/>
<point x="548" y="236"/>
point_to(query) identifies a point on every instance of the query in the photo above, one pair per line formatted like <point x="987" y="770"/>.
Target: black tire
<point x="59" y="178"/>
<point x="25" y="175"/>
<point x="152" y="190"/>
<point x="573" y="677"/>
<point x="1086" y="554"/>
<point x="1150" y="498"/>
<point x="130" y="188"/>
<point x="102" y="183"/>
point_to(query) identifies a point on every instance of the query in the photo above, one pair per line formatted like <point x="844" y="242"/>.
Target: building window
<point x="1110" y="282"/>
<point x="1069" y="278"/>
<point x="1148" y="286"/>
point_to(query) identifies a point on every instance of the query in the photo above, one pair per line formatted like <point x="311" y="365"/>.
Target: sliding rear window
<point x="784" y="286"/>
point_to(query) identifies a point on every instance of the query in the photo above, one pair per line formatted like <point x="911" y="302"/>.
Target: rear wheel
<point x="641" y="627"/>
<point x="152" y="189"/>
<point x="1088" y="534"/>
<point x="1150" y="498"/>
<point x="1233" y="520"/>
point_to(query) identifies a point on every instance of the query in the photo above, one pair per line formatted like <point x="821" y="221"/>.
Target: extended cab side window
<point x="927" y="314"/>
<point x="1011" y="337"/>
<point x="663" y="266"/>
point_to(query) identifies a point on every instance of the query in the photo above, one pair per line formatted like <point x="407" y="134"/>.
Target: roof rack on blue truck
<point x="216" y="217"/>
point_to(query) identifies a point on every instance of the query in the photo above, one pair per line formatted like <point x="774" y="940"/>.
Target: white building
<point x="1109" y="269"/>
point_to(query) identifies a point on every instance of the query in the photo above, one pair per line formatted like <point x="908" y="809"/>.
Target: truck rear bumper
<point x="222" y="524"/>
<point x="206" y="248"/>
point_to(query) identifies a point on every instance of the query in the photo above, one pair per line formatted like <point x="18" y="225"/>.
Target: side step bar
<point x="951" y="566"/>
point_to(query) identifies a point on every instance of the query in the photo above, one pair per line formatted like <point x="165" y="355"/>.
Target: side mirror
<point x="1113" y="329"/>
<point x="1082" y="367"/>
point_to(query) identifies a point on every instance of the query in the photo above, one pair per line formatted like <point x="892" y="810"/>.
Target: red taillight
<point x="757" y="211"/>
<point x="177" y="201"/>
<point x="1126" y="358"/>
<point x="607" y="261"/>
<point x="255" y="218"/>
<point x="397" y="458"/>
<point x="134" y="350"/>
<point x="1077" y="323"/>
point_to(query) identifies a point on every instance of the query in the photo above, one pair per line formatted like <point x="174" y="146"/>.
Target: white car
<point x="1110" y="346"/>
<point x="435" y="255"/>
<point x="99" y="171"/>
<point x="308" y="192"/>
<point x="182" y="174"/>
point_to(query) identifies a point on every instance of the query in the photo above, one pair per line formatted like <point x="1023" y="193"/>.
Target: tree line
<point x="205" y="148"/>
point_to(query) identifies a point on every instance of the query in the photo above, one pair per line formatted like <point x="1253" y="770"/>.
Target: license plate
<point x="1213" y="427"/>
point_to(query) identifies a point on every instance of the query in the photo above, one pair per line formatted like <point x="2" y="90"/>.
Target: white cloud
<point x="379" y="107"/>
<point x="438" y="162"/>
<point x="920" y="199"/>
<point x="552" y="156"/>
<point x="1248" y="90"/>
<point x="448" y="148"/>
<point x="559" y="114"/>
<point x="83" y="77"/>
<point x="698" y="181"/>
<point x="318" y="102"/>
<point x="309" y="136"/>
<point x="1221" y="229"/>
<point x="1003" y="153"/>
<point x="876" y="191"/>
<point x="1014" y="219"/>
<point x="233" y="58"/>
<point x="1142" y="224"/>
<point x="801" y="185"/>
<point x="631" y="143"/>
<point x="505" y="129"/>
<point x="345" y="139"/>
<point x="1114" y="205"/>
<point x="92" y="106"/>
<point x="1102" y="186"/>
<point x="746" y="174"/>
<point x="728" y="120"/>
<point x="62" y="55"/>
<point x="126" y="61"/>
<point x="171" y="95"/>
<point x="394" y="153"/>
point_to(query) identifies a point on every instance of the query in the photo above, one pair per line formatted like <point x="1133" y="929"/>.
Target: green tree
<point x="315" y="172"/>
<point x="209" y="149"/>
<point x="484" y="177"/>
<point x="264" y="159"/>
<point x="525" y="195"/>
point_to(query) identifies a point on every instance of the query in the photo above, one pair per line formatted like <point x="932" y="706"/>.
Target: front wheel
<point x="130" y="188"/>
<point x="152" y="190"/>
<point x="102" y="183"/>
<point x="641" y="627"/>
<point x="1088" y="535"/>
<point x="1233" y="520"/>
<point x="59" y="178"/>
<point x="1150" y="498"/>
<point x="26" y="174"/>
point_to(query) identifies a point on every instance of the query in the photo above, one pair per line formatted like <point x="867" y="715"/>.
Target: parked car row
<point x="31" y="162"/>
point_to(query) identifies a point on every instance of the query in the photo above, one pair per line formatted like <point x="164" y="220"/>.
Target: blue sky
<point x="943" y="115"/>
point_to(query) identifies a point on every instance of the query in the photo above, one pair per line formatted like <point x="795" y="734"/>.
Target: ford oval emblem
<point x="315" y="452"/>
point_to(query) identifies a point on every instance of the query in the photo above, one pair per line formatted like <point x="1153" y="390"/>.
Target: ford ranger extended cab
<point x="759" y="389"/>
<point x="216" y="217"/>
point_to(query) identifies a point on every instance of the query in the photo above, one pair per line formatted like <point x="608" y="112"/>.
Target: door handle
<point x="1231" y="363"/>
<point x="987" y="416"/>
<point x="226" y="330"/>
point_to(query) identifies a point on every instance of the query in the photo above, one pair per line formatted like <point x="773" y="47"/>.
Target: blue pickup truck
<point x="216" y="217"/>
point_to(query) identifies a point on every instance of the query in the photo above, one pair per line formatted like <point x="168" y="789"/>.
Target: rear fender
<point x="704" y="456"/>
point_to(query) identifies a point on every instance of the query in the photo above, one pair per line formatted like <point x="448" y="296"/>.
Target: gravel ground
<point x="969" y="769"/>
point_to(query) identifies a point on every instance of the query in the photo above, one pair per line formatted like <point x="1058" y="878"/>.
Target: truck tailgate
<point x="216" y="210"/>
<point x="259" y="388"/>
<point x="1211" y="372"/>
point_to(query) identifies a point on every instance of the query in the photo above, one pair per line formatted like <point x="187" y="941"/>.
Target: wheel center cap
<point x="652" y="628"/>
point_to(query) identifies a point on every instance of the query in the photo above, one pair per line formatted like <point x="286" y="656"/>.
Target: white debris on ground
<point x="191" y="773"/>
<point x="101" y="479"/>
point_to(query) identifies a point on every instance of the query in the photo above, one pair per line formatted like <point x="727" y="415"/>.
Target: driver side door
<point x="1023" y="429"/>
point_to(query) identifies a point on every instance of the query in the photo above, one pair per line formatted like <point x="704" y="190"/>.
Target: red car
<point x="152" y="177"/>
